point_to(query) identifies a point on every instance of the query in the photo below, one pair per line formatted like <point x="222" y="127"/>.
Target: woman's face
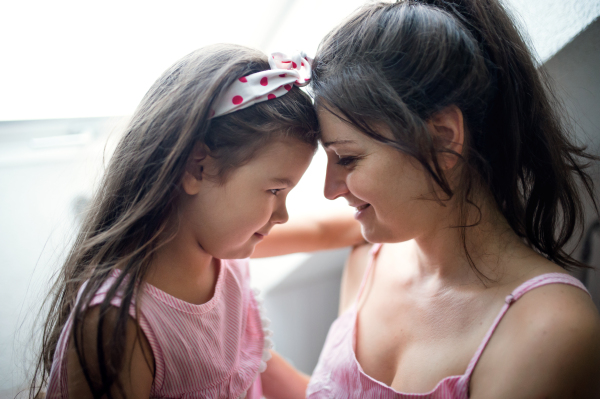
<point x="392" y="194"/>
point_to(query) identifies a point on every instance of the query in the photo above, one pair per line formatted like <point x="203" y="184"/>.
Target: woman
<point x="444" y="136"/>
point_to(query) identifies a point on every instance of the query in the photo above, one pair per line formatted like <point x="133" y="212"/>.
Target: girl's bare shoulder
<point x="137" y="367"/>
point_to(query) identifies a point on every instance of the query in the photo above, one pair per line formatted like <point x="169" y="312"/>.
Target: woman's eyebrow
<point x="337" y="142"/>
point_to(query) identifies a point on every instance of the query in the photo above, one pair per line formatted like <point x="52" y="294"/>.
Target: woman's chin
<point x="371" y="234"/>
<point x="374" y="233"/>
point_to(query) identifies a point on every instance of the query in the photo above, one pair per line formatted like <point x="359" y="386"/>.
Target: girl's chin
<point x="242" y="252"/>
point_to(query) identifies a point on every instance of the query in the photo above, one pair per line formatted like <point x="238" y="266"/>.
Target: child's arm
<point x="138" y="361"/>
<point x="310" y="234"/>
<point x="282" y="381"/>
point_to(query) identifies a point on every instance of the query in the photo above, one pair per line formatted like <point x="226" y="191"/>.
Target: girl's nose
<point x="335" y="183"/>
<point x="280" y="215"/>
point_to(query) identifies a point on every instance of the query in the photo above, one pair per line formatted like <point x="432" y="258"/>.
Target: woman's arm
<point x="353" y="274"/>
<point x="547" y="346"/>
<point x="311" y="234"/>
<point x="282" y="381"/>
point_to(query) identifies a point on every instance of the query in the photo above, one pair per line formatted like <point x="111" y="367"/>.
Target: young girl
<point x="150" y="301"/>
<point x="442" y="133"/>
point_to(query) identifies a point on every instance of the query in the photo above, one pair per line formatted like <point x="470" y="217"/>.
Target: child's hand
<point x="311" y="234"/>
<point x="282" y="380"/>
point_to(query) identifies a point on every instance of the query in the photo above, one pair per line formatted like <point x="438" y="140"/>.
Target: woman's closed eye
<point x="346" y="161"/>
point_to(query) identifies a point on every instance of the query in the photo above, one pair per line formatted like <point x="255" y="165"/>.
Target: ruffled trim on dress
<point x="268" y="342"/>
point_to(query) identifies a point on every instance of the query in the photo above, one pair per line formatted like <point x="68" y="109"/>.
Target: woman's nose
<point x="335" y="183"/>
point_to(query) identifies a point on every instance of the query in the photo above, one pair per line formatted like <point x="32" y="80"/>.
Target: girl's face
<point x="390" y="190"/>
<point x="229" y="219"/>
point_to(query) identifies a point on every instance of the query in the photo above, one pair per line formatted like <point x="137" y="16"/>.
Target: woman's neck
<point x="490" y="242"/>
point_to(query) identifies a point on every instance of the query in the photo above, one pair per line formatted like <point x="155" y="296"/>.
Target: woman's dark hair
<point x="399" y="64"/>
<point x="129" y="214"/>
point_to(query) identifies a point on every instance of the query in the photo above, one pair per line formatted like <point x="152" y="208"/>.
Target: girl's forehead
<point x="286" y="159"/>
<point x="283" y="146"/>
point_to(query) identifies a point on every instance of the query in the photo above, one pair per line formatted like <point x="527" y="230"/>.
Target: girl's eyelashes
<point x="274" y="191"/>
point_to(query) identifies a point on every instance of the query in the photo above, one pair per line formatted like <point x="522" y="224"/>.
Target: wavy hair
<point x="398" y="64"/>
<point x="128" y="216"/>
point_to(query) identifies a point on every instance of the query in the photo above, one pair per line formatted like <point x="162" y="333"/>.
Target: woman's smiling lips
<point x="360" y="210"/>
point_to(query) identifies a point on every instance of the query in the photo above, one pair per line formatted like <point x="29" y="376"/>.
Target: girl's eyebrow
<point x="282" y="181"/>
<point x="337" y="142"/>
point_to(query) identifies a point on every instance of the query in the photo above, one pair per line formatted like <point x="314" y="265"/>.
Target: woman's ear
<point x="448" y="128"/>
<point x="194" y="170"/>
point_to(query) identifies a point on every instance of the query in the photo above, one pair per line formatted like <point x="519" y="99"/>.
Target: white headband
<point x="265" y="85"/>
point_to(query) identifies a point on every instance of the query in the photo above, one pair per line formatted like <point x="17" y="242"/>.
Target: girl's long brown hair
<point x="127" y="219"/>
<point x="398" y="64"/>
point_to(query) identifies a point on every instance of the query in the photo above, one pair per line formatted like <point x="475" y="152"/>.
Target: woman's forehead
<point x="336" y="132"/>
<point x="334" y="129"/>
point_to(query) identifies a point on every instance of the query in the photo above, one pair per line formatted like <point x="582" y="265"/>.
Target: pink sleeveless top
<point x="339" y="375"/>
<point x="213" y="350"/>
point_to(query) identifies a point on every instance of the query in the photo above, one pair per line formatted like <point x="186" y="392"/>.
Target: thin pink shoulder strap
<point x="372" y="256"/>
<point x="539" y="281"/>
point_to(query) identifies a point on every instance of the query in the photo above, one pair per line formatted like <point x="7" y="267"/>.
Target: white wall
<point x="551" y="24"/>
<point x="47" y="170"/>
<point x="575" y="70"/>
<point x="303" y="306"/>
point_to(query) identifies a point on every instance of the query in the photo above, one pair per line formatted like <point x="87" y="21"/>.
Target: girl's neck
<point x="181" y="268"/>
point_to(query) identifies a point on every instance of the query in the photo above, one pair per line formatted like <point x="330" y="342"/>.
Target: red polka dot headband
<point x="265" y="85"/>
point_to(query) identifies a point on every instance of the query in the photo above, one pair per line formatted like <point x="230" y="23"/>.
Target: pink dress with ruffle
<point x="213" y="350"/>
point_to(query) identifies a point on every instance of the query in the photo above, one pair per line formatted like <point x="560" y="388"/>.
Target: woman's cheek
<point x="355" y="182"/>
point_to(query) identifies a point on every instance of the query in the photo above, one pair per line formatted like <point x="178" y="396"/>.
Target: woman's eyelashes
<point x="347" y="161"/>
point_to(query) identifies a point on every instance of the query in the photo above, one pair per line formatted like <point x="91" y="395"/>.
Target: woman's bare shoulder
<point x="354" y="270"/>
<point x="547" y="345"/>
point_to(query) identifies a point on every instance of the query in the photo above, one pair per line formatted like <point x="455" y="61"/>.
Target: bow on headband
<point x="265" y="85"/>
